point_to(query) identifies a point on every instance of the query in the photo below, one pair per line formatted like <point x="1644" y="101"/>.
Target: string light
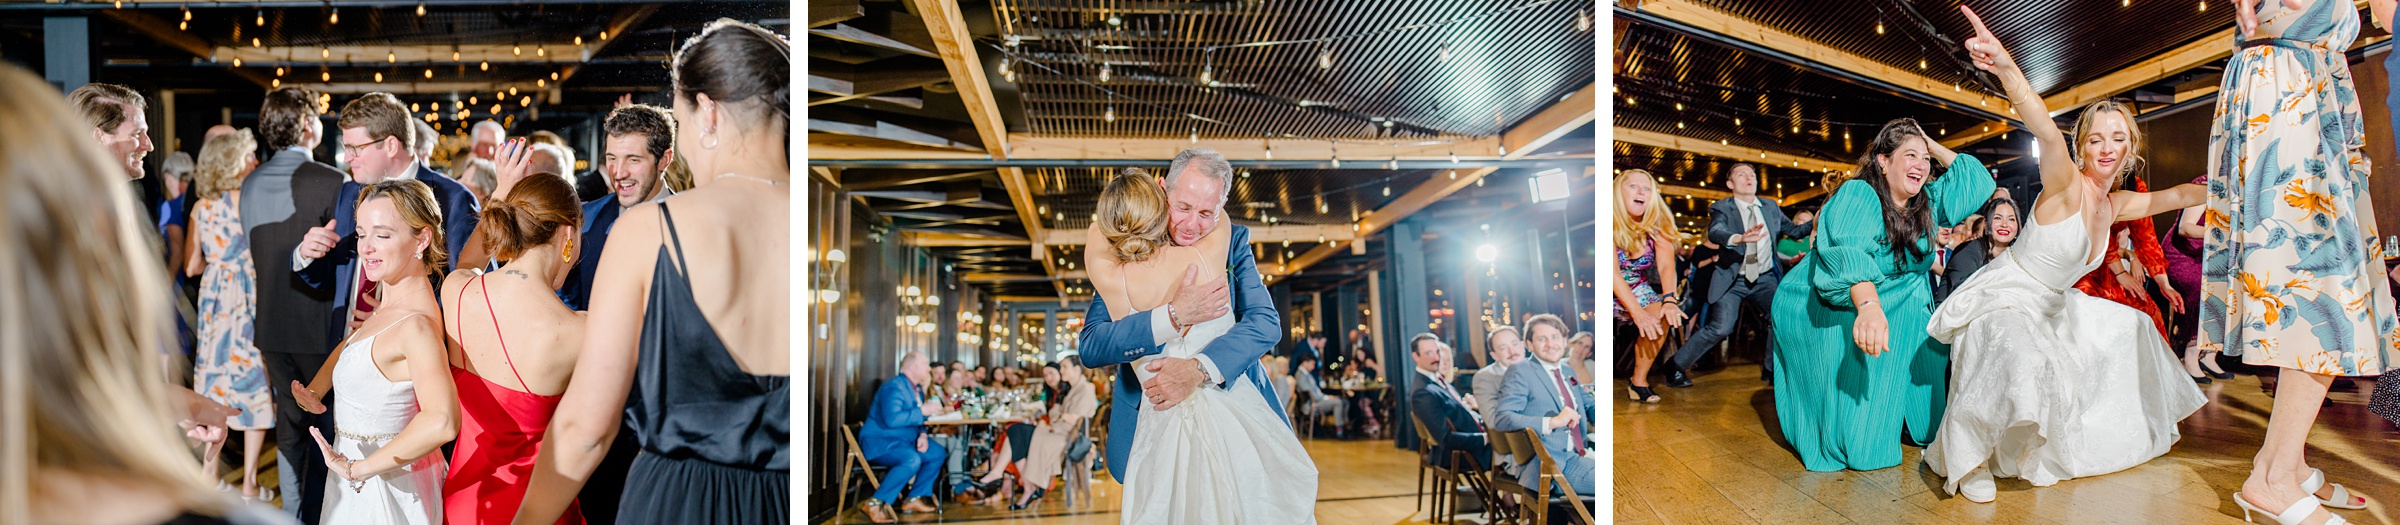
<point x="277" y="83"/>
<point x="554" y="75"/>
<point x="324" y="52"/>
<point x="603" y="35"/>
<point x="512" y="91"/>
<point x="336" y="18"/>
<point x="527" y="102"/>
<point x="1114" y="21"/>
<point x="391" y="57"/>
<point x="325" y="76"/>
<point x="237" y="62"/>
<point x="254" y="41"/>
<point x="1325" y="58"/>
<point x="1444" y="52"/>
<point x="412" y="107"/>
<point x="1208" y="74"/>
<point x="454" y="56"/>
<point x="473" y="100"/>
<point x="518" y="50"/>
<point x="541" y="83"/>
<point x="1103" y="72"/>
<point x="420" y="9"/>
<point x="1878" y="27"/>
<point x="1111" y="114"/>
<point x="541" y="51"/>
<point x="429" y="72"/>
<point x="485" y="66"/>
<point x="1583" y="20"/>
<point x="495" y="108"/>
<point x="579" y="40"/>
<point x="279" y="71"/>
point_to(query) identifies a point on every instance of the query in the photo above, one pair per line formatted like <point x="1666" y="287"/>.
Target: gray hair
<point x="492" y="126"/>
<point x="427" y="138"/>
<point x="1209" y="163"/>
<point x="178" y="164"/>
<point x="565" y="157"/>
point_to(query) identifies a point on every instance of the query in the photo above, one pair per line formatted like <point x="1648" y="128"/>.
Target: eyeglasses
<point x="351" y="150"/>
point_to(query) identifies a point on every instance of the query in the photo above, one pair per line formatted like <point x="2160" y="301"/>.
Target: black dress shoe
<point x="1676" y="378"/>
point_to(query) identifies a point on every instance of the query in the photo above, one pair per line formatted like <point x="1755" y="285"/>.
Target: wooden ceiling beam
<point x="1719" y="149"/>
<point x="947" y="28"/>
<point x="1027" y="146"/>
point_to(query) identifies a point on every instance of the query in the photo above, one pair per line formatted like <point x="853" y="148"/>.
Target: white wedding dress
<point x="368" y="411"/>
<point x="2047" y="383"/>
<point x="1220" y="456"/>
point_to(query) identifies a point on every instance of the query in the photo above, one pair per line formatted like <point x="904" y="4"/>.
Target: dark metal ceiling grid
<point x="1501" y="68"/>
<point x="2060" y="44"/>
<point x="1753" y="103"/>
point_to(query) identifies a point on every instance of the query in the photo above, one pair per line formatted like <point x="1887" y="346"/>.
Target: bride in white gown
<point x="396" y="405"/>
<point x="2047" y="383"/>
<point x="1222" y="455"/>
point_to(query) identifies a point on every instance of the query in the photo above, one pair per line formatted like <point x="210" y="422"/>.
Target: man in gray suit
<point x="1544" y="395"/>
<point x="1507" y="349"/>
<point x="1747" y="227"/>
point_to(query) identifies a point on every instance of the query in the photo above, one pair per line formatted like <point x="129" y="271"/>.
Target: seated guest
<point x="1544" y="395"/>
<point x="1579" y="357"/>
<point x="894" y="436"/>
<point x="1313" y="401"/>
<point x="1037" y="452"/>
<point x="1507" y="349"/>
<point x="1433" y="401"/>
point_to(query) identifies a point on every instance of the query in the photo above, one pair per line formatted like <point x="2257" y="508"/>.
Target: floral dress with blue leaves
<point x="2291" y="275"/>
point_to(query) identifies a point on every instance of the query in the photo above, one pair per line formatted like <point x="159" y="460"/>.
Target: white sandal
<point x="2293" y="515"/>
<point x="2341" y="495"/>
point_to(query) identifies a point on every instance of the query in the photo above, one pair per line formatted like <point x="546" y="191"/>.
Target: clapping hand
<point x="308" y="399"/>
<point x="1754" y="234"/>
<point x="319" y="241"/>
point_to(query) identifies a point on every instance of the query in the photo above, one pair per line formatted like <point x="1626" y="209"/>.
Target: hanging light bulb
<point x="512" y="91"/>
<point x="1444" y="52"/>
<point x="517" y="50"/>
<point x="604" y="35"/>
<point x="254" y="41"/>
<point x="412" y="107"/>
<point x="1114" y="21"/>
<point x="453" y="55"/>
<point x="237" y="62"/>
<point x="485" y="66"/>
<point x="1583" y="20"/>
<point x="183" y="26"/>
<point x="262" y="18"/>
<point x="279" y="71"/>
<point x="276" y="83"/>
<point x="1878" y="27"/>
<point x="1208" y="74"/>
<point x="541" y="82"/>
<point x="1195" y="133"/>
<point x="379" y="76"/>
<point x="391" y="57"/>
<point x="1387" y="190"/>
<point x="420" y="9"/>
<point x="527" y="102"/>
<point x="1104" y="72"/>
<point x="579" y="40"/>
<point x="541" y="51"/>
<point x="429" y="72"/>
<point x="1111" y="114"/>
<point x="324" y="52"/>
<point x="1325" y="58"/>
<point x="495" y="108"/>
<point x="473" y="100"/>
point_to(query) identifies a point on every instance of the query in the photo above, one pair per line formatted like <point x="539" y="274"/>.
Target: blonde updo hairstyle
<point x="1133" y="215"/>
<point x="417" y="207"/>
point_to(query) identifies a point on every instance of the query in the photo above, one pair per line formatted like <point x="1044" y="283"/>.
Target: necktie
<point x="1566" y="401"/>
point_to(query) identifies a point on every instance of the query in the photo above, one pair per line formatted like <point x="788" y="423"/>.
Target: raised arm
<point x="2134" y="205"/>
<point x="2058" y="171"/>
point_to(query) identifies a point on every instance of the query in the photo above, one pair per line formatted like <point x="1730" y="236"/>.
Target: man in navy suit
<point x="894" y="436"/>
<point x="1543" y="394"/>
<point x="1196" y="183"/>
<point x="1432" y="400"/>
<point x="1748" y="271"/>
<point x="380" y="143"/>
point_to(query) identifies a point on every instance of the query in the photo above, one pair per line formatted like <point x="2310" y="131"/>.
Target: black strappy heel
<point x="1642" y="394"/>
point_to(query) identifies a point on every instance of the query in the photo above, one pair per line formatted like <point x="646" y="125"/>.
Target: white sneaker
<point x="1979" y="486"/>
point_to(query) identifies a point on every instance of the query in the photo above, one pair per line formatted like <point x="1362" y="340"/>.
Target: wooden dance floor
<point x="1711" y="454"/>
<point x="1359" y="482"/>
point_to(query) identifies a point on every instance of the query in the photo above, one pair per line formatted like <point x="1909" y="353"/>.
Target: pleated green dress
<point x="1840" y="408"/>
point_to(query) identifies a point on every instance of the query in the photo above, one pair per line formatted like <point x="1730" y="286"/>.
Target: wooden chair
<point x="1506" y="493"/>
<point x="1428" y="465"/>
<point x="853" y="463"/>
<point x="1551" y="479"/>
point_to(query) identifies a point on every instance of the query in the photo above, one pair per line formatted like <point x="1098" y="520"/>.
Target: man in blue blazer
<point x="1543" y="394"/>
<point x="894" y="436"/>
<point x="379" y="140"/>
<point x="1196" y="184"/>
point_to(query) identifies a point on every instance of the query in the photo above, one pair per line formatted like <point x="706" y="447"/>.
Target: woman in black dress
<point x="690" y="344"/>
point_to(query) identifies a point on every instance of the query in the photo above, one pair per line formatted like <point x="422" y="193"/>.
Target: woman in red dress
<point x="513" y="342"/>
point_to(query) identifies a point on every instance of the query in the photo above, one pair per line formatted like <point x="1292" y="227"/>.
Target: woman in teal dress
<point x="1859" y="372"/>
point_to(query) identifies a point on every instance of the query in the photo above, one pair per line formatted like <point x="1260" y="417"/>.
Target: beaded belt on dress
<point x="363" y="438"/>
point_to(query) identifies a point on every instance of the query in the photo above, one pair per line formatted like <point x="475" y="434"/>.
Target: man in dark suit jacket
<point x="1435" y="402"/>
<point x="1747" y="270"/>
<point x="1196" y="184"/>
<point x="282" y="200"/>
<point x="381" y="142"/>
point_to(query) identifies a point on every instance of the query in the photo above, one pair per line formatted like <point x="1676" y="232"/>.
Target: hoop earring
<point x="711" y="139"/>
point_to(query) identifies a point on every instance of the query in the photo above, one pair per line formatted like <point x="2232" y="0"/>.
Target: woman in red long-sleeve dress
<point x="2103" y="282"/>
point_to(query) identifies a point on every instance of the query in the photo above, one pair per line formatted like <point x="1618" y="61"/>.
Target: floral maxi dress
<point x="226" y="366"/>
<point x="2292" y="276"/>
